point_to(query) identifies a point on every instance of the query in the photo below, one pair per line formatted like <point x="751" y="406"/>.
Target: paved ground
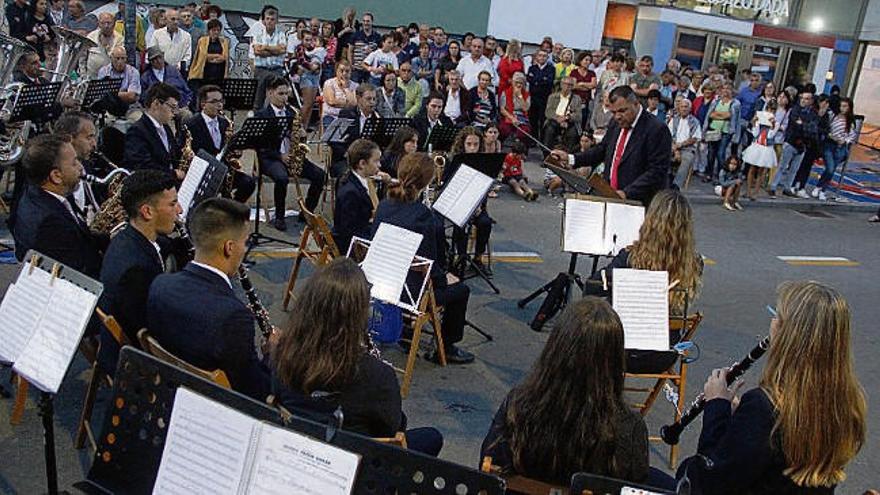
<point x="739" y="281"/>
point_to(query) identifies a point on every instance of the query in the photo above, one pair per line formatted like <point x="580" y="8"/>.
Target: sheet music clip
<point x="334" y="424"/>
<point x="33" y="263"/>
<point x="56" y="269"/>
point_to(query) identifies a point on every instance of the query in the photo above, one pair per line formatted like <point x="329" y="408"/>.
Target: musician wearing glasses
<point x="134" y="258"/>
<point x="195" y="314"/>
<point x="209" y="129"/>
<point x="149" y="142"/>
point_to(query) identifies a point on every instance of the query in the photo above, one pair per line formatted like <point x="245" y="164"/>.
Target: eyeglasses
<point x="215" y="101"/>
<point x="171" y="104"/>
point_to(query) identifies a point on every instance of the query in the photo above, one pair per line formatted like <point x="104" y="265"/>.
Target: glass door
<point x="690" y="48"/>
<point x="765" y="60"/>
<point x="799" y="68"/>
<point x="728" y="54"/>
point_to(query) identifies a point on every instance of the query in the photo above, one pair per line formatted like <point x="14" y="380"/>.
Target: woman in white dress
<point x="760" y="154"/>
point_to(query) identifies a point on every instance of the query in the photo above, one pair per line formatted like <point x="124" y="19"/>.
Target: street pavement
<point x="742" y="270"/>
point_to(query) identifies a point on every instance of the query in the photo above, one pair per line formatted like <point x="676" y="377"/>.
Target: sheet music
<point x="21" y="309"/>
<point x="207" y="447"/>
<point x="622" y="224"/>
<point x="583" y="227"/>
<point x="641" y="299"/>
<point x="388" y="260"/>
<point x="288" y="462"/>
<point x="462" y="195"/>
<point x="190" y="185"/>
<point x="46" y="356"/>
<point x="628" y="490"/>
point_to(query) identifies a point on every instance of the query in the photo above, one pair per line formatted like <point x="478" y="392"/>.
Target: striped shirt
<point x="838" y="131"/>
<point x="278" y="37"/>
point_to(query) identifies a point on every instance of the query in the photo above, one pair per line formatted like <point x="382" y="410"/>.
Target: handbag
<point x="712" y="135"/>
<point x="386" y="322"/>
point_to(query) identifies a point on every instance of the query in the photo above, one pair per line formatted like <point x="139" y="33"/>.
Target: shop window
<point x="690" y="49"/>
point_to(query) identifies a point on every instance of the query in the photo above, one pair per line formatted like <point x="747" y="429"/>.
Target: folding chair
<point x="152" y="346"/>
<point x="97" y="377"/>
<point x="684" y="329"/>
<point x="428" y="311"/>
<point x="517" y="484"/>
<point x="325" y="250"/>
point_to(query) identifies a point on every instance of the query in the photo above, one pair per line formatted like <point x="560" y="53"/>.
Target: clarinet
<point x="183" y="235"/>
<point x="255" y="305"/>
<point x="672" y="432"/>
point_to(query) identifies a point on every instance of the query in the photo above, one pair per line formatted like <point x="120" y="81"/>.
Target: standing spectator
<point x="446" y="64"/>
<point x="156" y="18"/>
<point x="339" y="92"/>
<point x="409" y="50"/>
<point x="540" y="77"/>
<point x="345" y="28"/>
<point x="363" y="42"/>
<point x="668" y="89"/>
<point x="490" y="51"/>
<point x="140" y="26"/>
<point x="702" y="101"/>
<point x="390" y="100"/>
<point x="801" y="132"/>
<point x="381" y="60"/>
<point x="484" y="101"/>
<point x="195" y="29"/>
<point x="439" y="48"/>
<point x="471" y="67"/>
<point x="645" y="79"/>
<point x="309" y="58"/>
<point x="330" y="45"/>
<point x="106" y="38"/>
<point x="686" y="135"/>
<point x="565" y="64"/>
<point x="56" y="11"/>
<point x="514" y="105"/>
<point x="584" y="84"/>
<point x="18" y="15"/>
<point x="760" y="155"/>
<point x="612" y="77"/>
<point x="39" y="28"/>
<point x="510" y="64"/>
<point x="748" y="98"/>
<point x="211" y="61"/>
<point x="458" y="104"/>
<point x="175" y="43"/>
<point x="77" y="20"/>
<point x="720" y="129"/>
<point x="269" y="47"/>
<point x="783" y="109"/>
<point x="556" y="53"/>
<point x="841" y="136"/>
<point x="694" y="89"/>
<point x="423" y="68"/>
<point x="466" y="39"/>
<point x="767" y="94"/>
<point x="563" y="112"/>
<point x="412" y="90"/>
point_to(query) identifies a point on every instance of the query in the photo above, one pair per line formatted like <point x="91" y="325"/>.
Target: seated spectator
<point x="160" y="72"/>
<point x="412" y="90"/>
<point x="514" y="106"/>
<point x="513" y="172"/>
<point x="129" y="91"/>
<point x="78" y="21"/>
<point x="458" y="105"/>
<point x="338" y="93"/>
<point x="472" y="66"/>
<point x="446" y="64"/>
<point x="485" y="106"/>
<point x="652" y="105"/>
<point x="391" y="101"/>
<point x="423" y="67"/>
<point x="562" y="116"/>
<point x="381" y="60"/>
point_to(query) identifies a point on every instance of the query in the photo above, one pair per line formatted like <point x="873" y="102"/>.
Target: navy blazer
<point x="647" y="158"/>
<point x="420" y="124"/>
<point x="130" y="265"/>
<point x="352" y="213"/>
<point x="271" y="153"/>
<point x="144" y="148"/>
<point x="196" y="316"/>
<point x="44" y="224"/>
<point x="201" y="136"/>
<point x="417" y="217"/>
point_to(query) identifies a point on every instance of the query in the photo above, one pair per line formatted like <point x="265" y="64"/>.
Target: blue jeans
<point x="834" y="154"/>
<point x="717" y="152"/>
<point x="788" y="167"/>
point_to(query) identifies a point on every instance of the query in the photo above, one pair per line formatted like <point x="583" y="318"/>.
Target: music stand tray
<point x="239" y="94"/>
<point x="98" y="89"/>
<point x="381" y="131"/>
<point x="441" y="138"/>
<point x="35" y="102"/>
<point x="580" y="184"/>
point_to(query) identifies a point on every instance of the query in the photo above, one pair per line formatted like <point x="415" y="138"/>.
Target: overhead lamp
<point x="817" y="24"/>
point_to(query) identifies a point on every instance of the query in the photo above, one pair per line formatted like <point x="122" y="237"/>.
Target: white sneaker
<point x="822" y="196"/>
<point x="815" y="192"/>
<point x="802" y="194"/>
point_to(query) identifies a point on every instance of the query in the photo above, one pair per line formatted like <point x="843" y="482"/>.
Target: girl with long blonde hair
<point x="797" y="431"/>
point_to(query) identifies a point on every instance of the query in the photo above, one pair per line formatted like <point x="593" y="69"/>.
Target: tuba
<point x="72" y="50"/>
<point x="13" y="139"/>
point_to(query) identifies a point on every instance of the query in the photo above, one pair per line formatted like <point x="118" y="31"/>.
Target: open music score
<point x="462" y="195"/>
<point x="597" y="227"/>
<point x="641" y="299"/>
<point x="388" y="261"/>
<point x="212" y="448"/>
<point x="185" y="197"/>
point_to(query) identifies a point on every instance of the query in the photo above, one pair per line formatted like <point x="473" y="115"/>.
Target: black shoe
<point x="454" y="355"/>
<point x="772" y="193"/>
<point x="280" y="223"/>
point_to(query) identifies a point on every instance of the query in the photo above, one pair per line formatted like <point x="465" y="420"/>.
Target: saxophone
<point x="298" y="150"/>
<point x="186" y="152"/>
<point x="111" y="217"/>
<point x="256" y="307"/>
<point x="230" y="158"/>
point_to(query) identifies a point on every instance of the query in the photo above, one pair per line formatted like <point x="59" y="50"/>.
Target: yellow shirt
<point x="139" y="22"/>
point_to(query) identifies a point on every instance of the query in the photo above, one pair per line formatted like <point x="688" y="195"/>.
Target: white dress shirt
<point x="177" y="47"/>
<point x="453" y="104"/>
<point x="160" y="129"/>
<point x="470" y="70"/>
<point x="215" y="270"/>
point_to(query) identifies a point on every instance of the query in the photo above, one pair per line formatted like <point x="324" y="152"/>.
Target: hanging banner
<point x="772" y="8"/>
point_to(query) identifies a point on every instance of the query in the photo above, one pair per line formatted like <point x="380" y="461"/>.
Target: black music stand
<point x="441" y="138"/>
<point x="603" y="485"/>
<point x="258" y="133"/>
<point x="136" y="424"/>
<point x="580" y="184"/>
<point x="98" y="89"/>
<point x="381" y="131"/>
<point x="337" y="131"/>
<point x="35" y="102"/>
<point x="238" y="94"/>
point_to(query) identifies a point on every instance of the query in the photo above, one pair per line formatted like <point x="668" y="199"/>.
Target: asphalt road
<point x="739" y="281"/>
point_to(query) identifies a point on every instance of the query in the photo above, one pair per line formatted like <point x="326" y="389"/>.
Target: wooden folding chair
<point x="317" y="231"/>
<point x="686" y="327"/>
<point x="428" y="311"/>
<point x="518" y="484"/>
<point x="97" y="377"/>
<point x="152" y="346"/>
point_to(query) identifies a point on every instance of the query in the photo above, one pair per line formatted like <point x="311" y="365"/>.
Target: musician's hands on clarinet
<point x="716" y="386"/>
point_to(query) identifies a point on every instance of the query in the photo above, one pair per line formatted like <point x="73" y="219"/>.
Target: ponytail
<point x="414" y="173"/>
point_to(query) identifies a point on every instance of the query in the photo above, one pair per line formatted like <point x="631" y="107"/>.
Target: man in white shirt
<point x="268" y="48"/>
<point x="458" y="102"/>
<point x="174" y="42"/>
<point x="106" y="37"/>
<point x="686" y="133"/>
<point x="490" y="50"/>
<point x="470" y="67"/>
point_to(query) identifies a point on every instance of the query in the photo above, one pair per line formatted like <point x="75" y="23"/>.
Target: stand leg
<point x="531" y="297"/>
<point x="256" y="238"/>
<point x="47" y="412"/>
<point x="479" y="330"/>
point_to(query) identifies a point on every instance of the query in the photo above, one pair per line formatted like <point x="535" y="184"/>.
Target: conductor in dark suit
<point x="274" y="161"/>
<point x="133" y="259"/>
<point x="432" y="117"/>
<point x="208" y="129"/>
<point x="356" y="197"/>
<point x="195" y="314"/>
<point x="636" y="150"/>
<point x="364" y="112"/>
<point x="45" y="218"/>
<point x="150" y="142"/>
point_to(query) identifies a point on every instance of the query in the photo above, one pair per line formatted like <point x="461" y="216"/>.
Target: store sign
<point x="772" y="8"/>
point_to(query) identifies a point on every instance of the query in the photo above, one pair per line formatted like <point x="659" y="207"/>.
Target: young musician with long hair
<point x="805" y="421"/>
<point x="569" y="414"/>
<point x="404" y="208"/>
<point x="322" y="360"/>
<point x="404" y="142"/>
<point x="469" y="140"/>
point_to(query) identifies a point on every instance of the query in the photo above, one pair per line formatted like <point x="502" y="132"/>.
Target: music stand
<point x="601" y="485"/>
<point x="441" y="138"/>
<point x="238" y="94"/>
<point x="337" y="131"/>
<point x="259" y="133"/>
<point x="381" y="131"/>
<point x="573" y="180"/>
<point x="98" y="89"/>
<point x="35" y="102"/>
<point x="136" y="424"/>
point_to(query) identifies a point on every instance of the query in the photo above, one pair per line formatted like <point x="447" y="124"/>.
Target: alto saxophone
<point x="111" y="217"/>
<point x="186" y="152"/>
<point x="298" y="150"/>
<point x="230" y="158"/>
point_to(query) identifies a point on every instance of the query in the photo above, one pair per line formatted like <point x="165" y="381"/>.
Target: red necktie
<point x="618" y="154"/>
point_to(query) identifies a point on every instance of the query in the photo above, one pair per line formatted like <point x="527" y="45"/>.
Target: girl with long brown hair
<point x="322" y="361"/>
<point x="797" y="431"/>
<point x="569" y="414"/>
<point x="404" y="208"/>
